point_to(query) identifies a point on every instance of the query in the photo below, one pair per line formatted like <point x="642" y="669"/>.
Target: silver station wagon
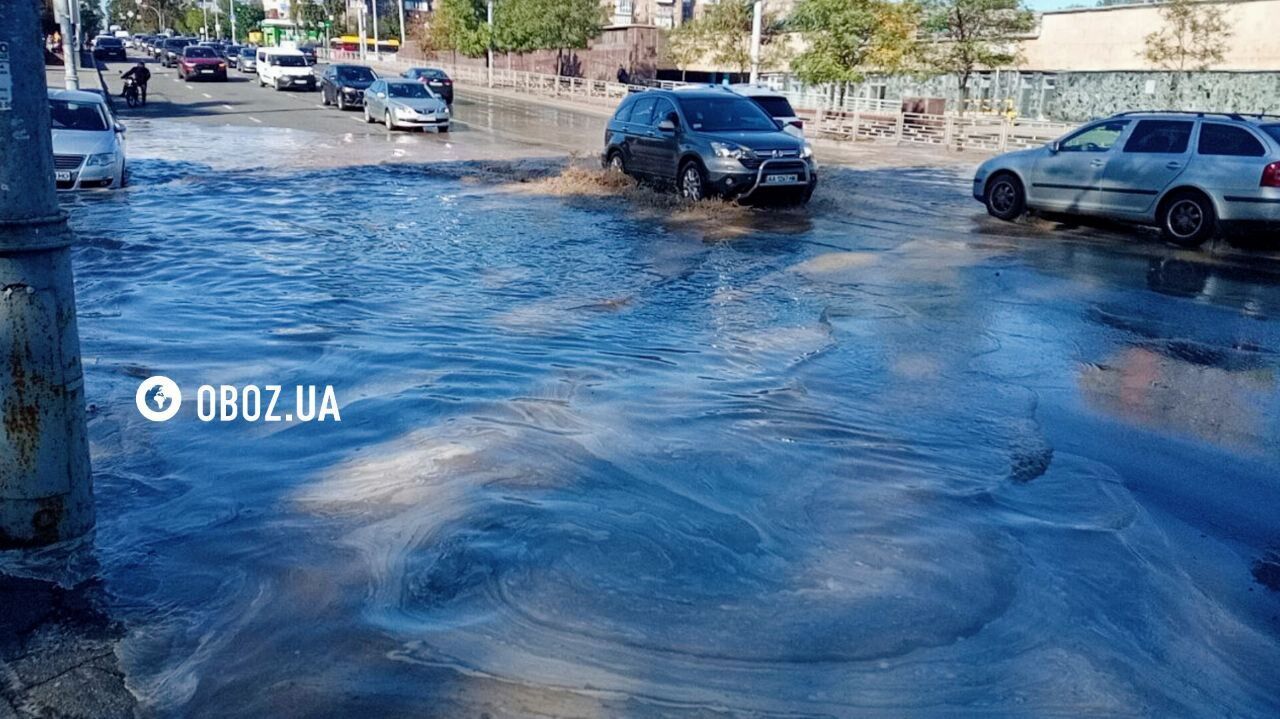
<point x="1189" y="173"/>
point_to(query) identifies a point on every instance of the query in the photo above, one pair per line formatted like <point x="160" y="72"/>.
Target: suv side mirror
<point x="667" y="126"/>
<point x="1054" y="147"/>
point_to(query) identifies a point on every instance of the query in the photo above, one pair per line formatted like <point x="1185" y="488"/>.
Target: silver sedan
<point x="1187" y="173"/>
<point x="405" y="103"/>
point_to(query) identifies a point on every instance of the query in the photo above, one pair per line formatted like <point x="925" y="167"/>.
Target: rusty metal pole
<point x="46" y="493"/>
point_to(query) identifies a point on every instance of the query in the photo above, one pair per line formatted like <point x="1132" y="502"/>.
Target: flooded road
<point x="882" y="457"/>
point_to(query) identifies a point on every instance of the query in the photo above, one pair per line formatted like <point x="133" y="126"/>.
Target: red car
<point x="203" y="62"/>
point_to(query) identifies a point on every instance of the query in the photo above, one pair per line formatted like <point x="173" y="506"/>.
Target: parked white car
<point x="284" y="68"/>
<point x="774" y="103"/>
<point x="88" y="143"/>
<point x="1188" y="173"/>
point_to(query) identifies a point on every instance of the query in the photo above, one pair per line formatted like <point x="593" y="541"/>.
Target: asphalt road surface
<point x="240" y="101"/>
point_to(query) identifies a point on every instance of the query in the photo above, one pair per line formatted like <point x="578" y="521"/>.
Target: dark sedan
<point x="109" y="48"/>
<point x="433" y="78"/>
<point x="171" y="50"/>
<point x="344" y="85"/>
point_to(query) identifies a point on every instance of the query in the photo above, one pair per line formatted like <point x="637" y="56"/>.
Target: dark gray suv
<point x="708" y="141"/>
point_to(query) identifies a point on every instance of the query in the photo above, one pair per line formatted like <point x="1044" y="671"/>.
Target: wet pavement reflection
<point x="882" y="457"/>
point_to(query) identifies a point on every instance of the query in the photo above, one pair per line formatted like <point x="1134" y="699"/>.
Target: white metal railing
<point x="855" y="118"/>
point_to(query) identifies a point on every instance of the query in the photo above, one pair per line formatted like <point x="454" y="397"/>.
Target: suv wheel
<point x="616" y="163"/>
<point x="1187" y="219"/>
<point x="693" y="182"/>
<point x="1005" y="198"/>
<point x="340" y="100"/>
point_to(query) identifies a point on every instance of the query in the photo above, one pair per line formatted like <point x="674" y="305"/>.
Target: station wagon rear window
<point x="1273" y="131"/>
<point x="1219" y="139"/>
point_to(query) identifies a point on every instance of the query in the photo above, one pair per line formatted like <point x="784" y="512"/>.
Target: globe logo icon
<point x="158" y="398"/>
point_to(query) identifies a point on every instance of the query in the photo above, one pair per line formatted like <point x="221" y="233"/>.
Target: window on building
<point x="1162" y="137"/>
<point x="1216" y="139"/>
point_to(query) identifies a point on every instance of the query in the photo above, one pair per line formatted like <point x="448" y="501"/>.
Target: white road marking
<point x="207" y="95"/>
<point x="229" y="107"/>
<point x="255" y="119"/>
<point x="189" y="87"/>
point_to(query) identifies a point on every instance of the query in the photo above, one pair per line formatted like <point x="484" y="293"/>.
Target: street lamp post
<point x="489" y="50"/>
<point x="232" y="3"/>
<point x="70" y="29"/>
<point x="757" y="19"/>
<point x="377" y="51"/>
<point x="402" y="38"/>
<point x="46" y="491"/>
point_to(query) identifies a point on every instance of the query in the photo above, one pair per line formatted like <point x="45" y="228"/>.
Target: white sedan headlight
<point x="727" y="149"/>
<point x="406" y="112"/>
<point x="103" y="159"/>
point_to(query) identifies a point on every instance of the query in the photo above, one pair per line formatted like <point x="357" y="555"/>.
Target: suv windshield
<point x="1273" y="131"/>
<point x="246" y="52"/>
<point x="356" y="74"/>
<point x="288" y="61"/>
<point x="196" y="51"/>
<point x="406" y="89"/>
<point x="77" y="116"/>
<point x="716" y="114"/>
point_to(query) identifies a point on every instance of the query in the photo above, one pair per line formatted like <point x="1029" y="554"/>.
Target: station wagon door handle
<point x="1097" y="163"/>
<point x="1173" y="165"/>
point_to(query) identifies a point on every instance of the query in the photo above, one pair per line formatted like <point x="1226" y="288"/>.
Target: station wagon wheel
<point x="1006" y="200"/>
<point x="390" y="124"/>
<point x="692" y="182"/>
<point x="1187" y="219"/>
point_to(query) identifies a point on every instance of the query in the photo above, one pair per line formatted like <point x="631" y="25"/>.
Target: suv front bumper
<point x="729" y="177"/>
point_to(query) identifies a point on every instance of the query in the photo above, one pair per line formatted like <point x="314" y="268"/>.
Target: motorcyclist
<point x="140" y="75"/>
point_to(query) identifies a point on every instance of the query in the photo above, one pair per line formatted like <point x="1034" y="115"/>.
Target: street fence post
<point x="46" y="493"/>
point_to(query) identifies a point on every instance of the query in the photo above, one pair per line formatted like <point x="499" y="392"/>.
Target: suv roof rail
<point x="1197" y="113"/>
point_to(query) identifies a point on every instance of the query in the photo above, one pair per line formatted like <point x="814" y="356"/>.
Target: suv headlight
<point x="101" y="160"/>
<point x="726" y="149"/>
<point x="807" y="151"/>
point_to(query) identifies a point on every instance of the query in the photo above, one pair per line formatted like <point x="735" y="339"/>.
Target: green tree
<point x="969" y="35"/>
<point x="1194" y="36"/>
<point x="90" y="20"/>
<point x="249" y="17"/>
<point x="724" y="29"/>
<point x="567" y="25"/>
<point x="847" y="39"/>
<point x="460" y="26"/>
<point x="684" y="46"/>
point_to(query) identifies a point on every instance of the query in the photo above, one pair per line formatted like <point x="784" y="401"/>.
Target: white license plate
<point x="62" y="175"/>
<point x="781" y="179"/>
<point x="206" y="69"/>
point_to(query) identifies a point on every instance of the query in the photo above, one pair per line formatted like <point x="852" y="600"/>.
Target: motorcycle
<point x="132" y="93"/>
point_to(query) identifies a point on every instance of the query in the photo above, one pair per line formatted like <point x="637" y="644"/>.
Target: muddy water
<point x="881" y="458"/>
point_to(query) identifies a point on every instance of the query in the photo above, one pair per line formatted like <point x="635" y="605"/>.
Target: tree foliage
<point x="460" y="26"/>
<point x="249" y="17"/>
<point x="518" y="25"/>
<point x="847" y="39"/>
<point x="684" y="46"/>
<point x="723" y="34"/>
<point x="969" y="35"/>
<point x="1194" y="36"/>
